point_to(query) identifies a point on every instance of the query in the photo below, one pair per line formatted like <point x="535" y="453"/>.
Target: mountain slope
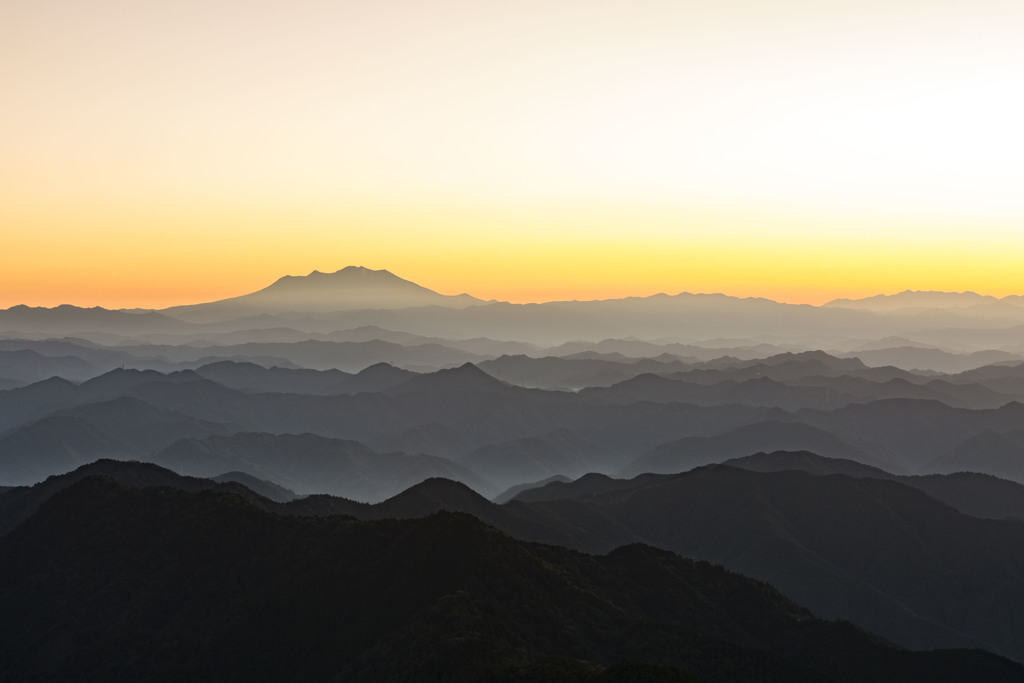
<point x="996" y="452"/>
<point x="882" y="554"/>
<point x="915" y="300"/>
<point x="204" y="586"/>
<point x="351" y="288"/>
<point x="19" y="503"/>
<point x="975" y="494"/>
<point x="306" y="463"/>
<point x="121" y="428"/>
<point x="772" y="435"/>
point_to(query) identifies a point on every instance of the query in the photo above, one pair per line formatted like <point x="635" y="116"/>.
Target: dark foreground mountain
<point x="425" y="498"/>
<point x="978" y="495"/>
<point x="882" y="554"/>
<point x="110" y="583"/>
<point x="18" y="503"/>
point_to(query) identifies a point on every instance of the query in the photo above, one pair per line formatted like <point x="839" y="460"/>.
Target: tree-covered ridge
<point x="116" y="583"/>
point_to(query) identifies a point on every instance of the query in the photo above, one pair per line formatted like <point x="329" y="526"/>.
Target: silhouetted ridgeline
<point x="356" y="297"/>
<point x="875" y="469"/>
<point x="865" y="548"/>
<point x="106" y="582"/>
<point x="465" y="424"/>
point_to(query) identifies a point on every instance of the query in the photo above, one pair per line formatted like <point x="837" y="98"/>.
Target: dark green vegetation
<point x="106" y="582"/>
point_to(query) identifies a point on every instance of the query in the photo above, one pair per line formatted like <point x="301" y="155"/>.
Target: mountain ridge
<point x="448" y="578"/>
<point x="350" y="288"/>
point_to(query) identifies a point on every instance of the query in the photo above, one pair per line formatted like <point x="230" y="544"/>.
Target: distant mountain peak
<point x="434" y="494"/>
<point x="914" y="299"/>
<point x="349" y="275"/>
<point x="349" y="289"/>
<point x="360" y="269"/>
<point x="465" y="378"/>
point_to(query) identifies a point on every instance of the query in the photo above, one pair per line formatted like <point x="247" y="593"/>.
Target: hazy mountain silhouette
<point x="453" y="412"/>
<point x="351" y="288"/>
<point x="68" y="319"/>
<point x="914" y="358"/>
<point x="762" y="391"/>
<point x="914" y="434"/>
<point x="848" y="389"/>
<point x="262" y="487"/>
<point x="23" y="404"/>
<point x="356" y="297"/>
<point x="979" y="495"/>
<point x="200" y="585"/>
<point x="790" y="367"/>
<point x="433" y="437"/>
<point x="994" y="371"/>
<point x="252" y="377"/>
<point x="121" y="428"/>
<point x="510" y="493"/>
<point x="914" y="300"/>
<point x="26" y="366"/>
<point x="1005" y="378"/>
<point x="580" y="489"/>
<point x="807" y="461"/>
<point x="56" y="444"/>
<point x="772" y="435"/>
<point x="317" y="355"/>
<point x="364" y="385"/>
<point x="307" y="463"/>
<point x="634" y="349"/>
<point x="552" y="372"/>
<point x="99" y="357"/>
<point x="377" y="377"/>
<point x="560" y="452"/>
<point x="999" y="452"/>
<point x="115" y="382"/>
<point x="466" y="378"/>
<point x="802" y="380"/>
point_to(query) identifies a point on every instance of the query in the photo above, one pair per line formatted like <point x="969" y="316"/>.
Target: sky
<point x="154" y="154"/>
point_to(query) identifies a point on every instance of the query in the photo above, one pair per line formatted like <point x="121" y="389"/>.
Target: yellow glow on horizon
<point x="554" y="255"/>
<point x="169" y="153"/>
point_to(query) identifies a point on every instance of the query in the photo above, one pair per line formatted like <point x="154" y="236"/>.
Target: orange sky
<point x="165" y="153"/>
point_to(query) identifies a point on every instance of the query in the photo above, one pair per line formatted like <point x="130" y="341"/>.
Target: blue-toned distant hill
<point x="68" y="319"/>
<point x="353" y="298"/>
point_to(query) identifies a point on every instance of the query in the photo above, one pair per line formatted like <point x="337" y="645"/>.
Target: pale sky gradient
<point x="156" y="153"/>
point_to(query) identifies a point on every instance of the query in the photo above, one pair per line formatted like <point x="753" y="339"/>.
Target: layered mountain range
<point x="356" y="297"/>
<point x="865" y="458"/>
